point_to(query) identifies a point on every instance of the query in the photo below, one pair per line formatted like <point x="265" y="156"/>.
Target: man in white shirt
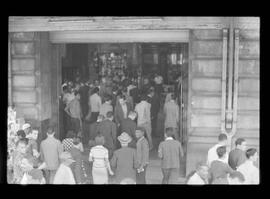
<point x="95" y="104"/>
<point x="200" y="176"/>
<point x="248" y="169"/>
<point x="143" y="110"/>
<point x="212" y="152"/>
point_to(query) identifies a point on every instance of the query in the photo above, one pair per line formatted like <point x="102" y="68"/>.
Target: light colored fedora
<point x="124" y="138"/>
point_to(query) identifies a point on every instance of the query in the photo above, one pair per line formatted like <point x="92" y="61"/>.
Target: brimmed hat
<point x="124" y="138"/>
<point x="25" y="126"/>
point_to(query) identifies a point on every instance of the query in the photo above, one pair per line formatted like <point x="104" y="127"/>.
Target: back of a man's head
<point x="250" y="152"/>
<point x="109" y="115"/>
<point x="222" y="137"/>
<point x="50" y="130"/>
<point x="221" y="151"/>
<point x="169" y="132"/>
<point x="239" y="141"/>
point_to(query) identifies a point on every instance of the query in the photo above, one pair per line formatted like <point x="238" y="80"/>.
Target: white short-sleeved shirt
<point x="98" y="154"/>
<point x="250" y="172"/>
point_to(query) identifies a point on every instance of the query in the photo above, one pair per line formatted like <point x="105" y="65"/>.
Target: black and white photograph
<point x="115" y="100"/>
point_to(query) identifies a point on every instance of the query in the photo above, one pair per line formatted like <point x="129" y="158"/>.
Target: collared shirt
<point x="143" y="110"/>
<point x="195" y="179"/>
<point x="212" y="155"/>
<point x="68" y="97"/>
<point x="105" y="108"/>
<point x="142" y="148"/>
<point x="98" y="154"/>
<point x="250" y="172"/>
<point x="95" y="102"/>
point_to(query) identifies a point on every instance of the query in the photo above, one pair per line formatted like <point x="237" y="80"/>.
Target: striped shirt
<point x="98" y="154"/>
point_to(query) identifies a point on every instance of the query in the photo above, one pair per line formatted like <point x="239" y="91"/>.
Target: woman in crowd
<point x="99" y="155"/>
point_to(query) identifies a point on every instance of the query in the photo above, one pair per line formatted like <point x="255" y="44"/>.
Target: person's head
<point x="65" y="89"/>
<point x="122" y="98"/>
<point x="109" y="115"/>
<point x="27" y="128"/>
<point x="99" y="139"/>
<point x="132" y="115"/>
<point x="50" y="131"/>
<point x="124" y="139"/>
<point x="169" y="132"/>
<point x="34" y="134"/>
<point x="77" y="94"/>
<point x="70" y="134"/>
<point x="95" y="90"/>
<point x="252" y="154"/>
<point x="21" y="134"/>
<point x="103" y="80"/>
<point x="222" y="139"/>
<point x="241" y="144"/>
<point x="21" y="145"/>
<point x="236" y="178"/>
<point x="221" y="152"/>
<point x="202" y="170"/>
<point x="140" y="131"/>
<point x="108" y="99"/>
<point x="145" y="81"/>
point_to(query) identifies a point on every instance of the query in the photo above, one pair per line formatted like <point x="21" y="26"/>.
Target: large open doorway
<point x="170" y="60"/>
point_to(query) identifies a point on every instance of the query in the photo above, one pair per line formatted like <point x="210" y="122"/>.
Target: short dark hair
<point x="50" y="129"/>
<point x="250" y="152"/>
<point x="122" y="96"/>
<point x="222" y="137"/>
<point x="173" y="97"/>
<point x="109" y="114"/>
<point x="169" y="132"/>
<point x="65" y="88"/>
<point x="96" y="90"/>
<point x="221" y="151"/>
<point x="239" y="141"/>
<point x="70" y="134"/>
<point x="21" y="133"/>
<point x="238" y="175"/>
<point x="23" y="141"/>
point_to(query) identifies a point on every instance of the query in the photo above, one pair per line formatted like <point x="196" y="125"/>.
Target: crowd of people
<point x="121" y="119"/>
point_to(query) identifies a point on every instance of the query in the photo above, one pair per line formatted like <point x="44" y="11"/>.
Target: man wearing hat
<point x="26" y="128"/>
<point x="124" y="160"/>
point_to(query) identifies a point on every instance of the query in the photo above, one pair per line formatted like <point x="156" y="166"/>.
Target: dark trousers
<point x="154" y="126"/>
<point x="170" y="176"/>
<point x="94" y="116"/>
<point x="140" y="177"/>
<point x="75" y="125"/>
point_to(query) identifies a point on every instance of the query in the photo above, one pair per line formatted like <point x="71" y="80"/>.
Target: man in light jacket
<point x="50" y="151"/>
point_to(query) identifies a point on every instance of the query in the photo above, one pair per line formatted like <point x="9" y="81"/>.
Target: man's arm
<point x="145" y="153"/>
<point x="114" y="132"/>
<point x="160" y="153"/>
<point x="59" y="148"/>
<point x="67" y="109"/>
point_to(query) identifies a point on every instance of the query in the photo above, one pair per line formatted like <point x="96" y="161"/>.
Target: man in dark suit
<point x="122" y="109"/>
<point x="129" y="126"/>
<point x="237" y="156"/>
<point x="107" y="128"/>
<point x="154" y="100"/>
